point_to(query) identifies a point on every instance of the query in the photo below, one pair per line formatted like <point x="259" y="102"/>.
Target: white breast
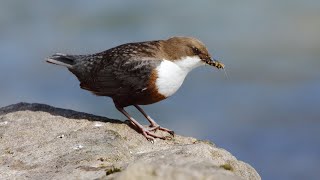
<point x="172" y="74"/>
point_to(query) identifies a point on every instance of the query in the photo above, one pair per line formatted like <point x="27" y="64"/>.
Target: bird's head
<point x="182" y="48"/>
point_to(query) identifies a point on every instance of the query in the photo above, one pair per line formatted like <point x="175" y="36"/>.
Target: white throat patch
<point x="172" y="74"/>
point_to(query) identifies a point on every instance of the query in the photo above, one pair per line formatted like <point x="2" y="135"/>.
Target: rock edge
<point x="43" y="142"/>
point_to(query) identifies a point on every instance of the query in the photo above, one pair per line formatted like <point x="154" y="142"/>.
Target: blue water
<point x="266" y="113"/>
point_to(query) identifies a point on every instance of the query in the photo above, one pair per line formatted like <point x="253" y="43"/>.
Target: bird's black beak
<point x="214" y="63"/>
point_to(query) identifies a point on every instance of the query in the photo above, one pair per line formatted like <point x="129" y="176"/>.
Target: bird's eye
<point x="196" y="50"/>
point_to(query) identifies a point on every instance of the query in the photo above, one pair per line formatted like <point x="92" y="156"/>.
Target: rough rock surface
<point x="42" y="142"/>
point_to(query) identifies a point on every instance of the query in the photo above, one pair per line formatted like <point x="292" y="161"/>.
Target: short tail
<point x="62" y="59"/>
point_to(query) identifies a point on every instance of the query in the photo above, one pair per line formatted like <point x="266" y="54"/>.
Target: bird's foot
<point x="155" y="127"/>
<point x="151" y="135"/>
<point x="146" y="132"/>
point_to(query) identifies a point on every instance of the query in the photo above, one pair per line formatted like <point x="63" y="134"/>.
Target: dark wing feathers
<point x="118" y="71"/>
<point x="132" y="76"/>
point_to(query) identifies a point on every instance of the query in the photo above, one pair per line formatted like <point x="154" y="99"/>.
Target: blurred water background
<point x="267" y="113"/>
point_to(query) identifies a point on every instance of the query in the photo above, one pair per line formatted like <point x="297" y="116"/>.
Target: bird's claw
<point x="151" y="140"/>
<point x="155" y="127"/>
<point x="151" y="136"/>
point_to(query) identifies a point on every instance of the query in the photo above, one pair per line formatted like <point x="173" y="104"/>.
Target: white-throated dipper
<point x="138" y="73"/>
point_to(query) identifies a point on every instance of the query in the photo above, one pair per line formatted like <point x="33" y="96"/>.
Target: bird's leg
<point x="145" y="132"/>
<point x="153" y="124"/>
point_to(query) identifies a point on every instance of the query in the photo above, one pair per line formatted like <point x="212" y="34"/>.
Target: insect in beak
<point x="214" y="63"/>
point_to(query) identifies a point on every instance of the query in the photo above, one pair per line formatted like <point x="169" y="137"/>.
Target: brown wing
<point x="118" y="71"/>
<point x="123" y="77"/>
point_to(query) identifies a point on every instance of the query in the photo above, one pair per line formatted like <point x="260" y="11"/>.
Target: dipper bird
<point x="138" y="73"/>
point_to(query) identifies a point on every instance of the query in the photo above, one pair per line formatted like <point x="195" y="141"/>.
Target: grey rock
<point x="42" y="142"/>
